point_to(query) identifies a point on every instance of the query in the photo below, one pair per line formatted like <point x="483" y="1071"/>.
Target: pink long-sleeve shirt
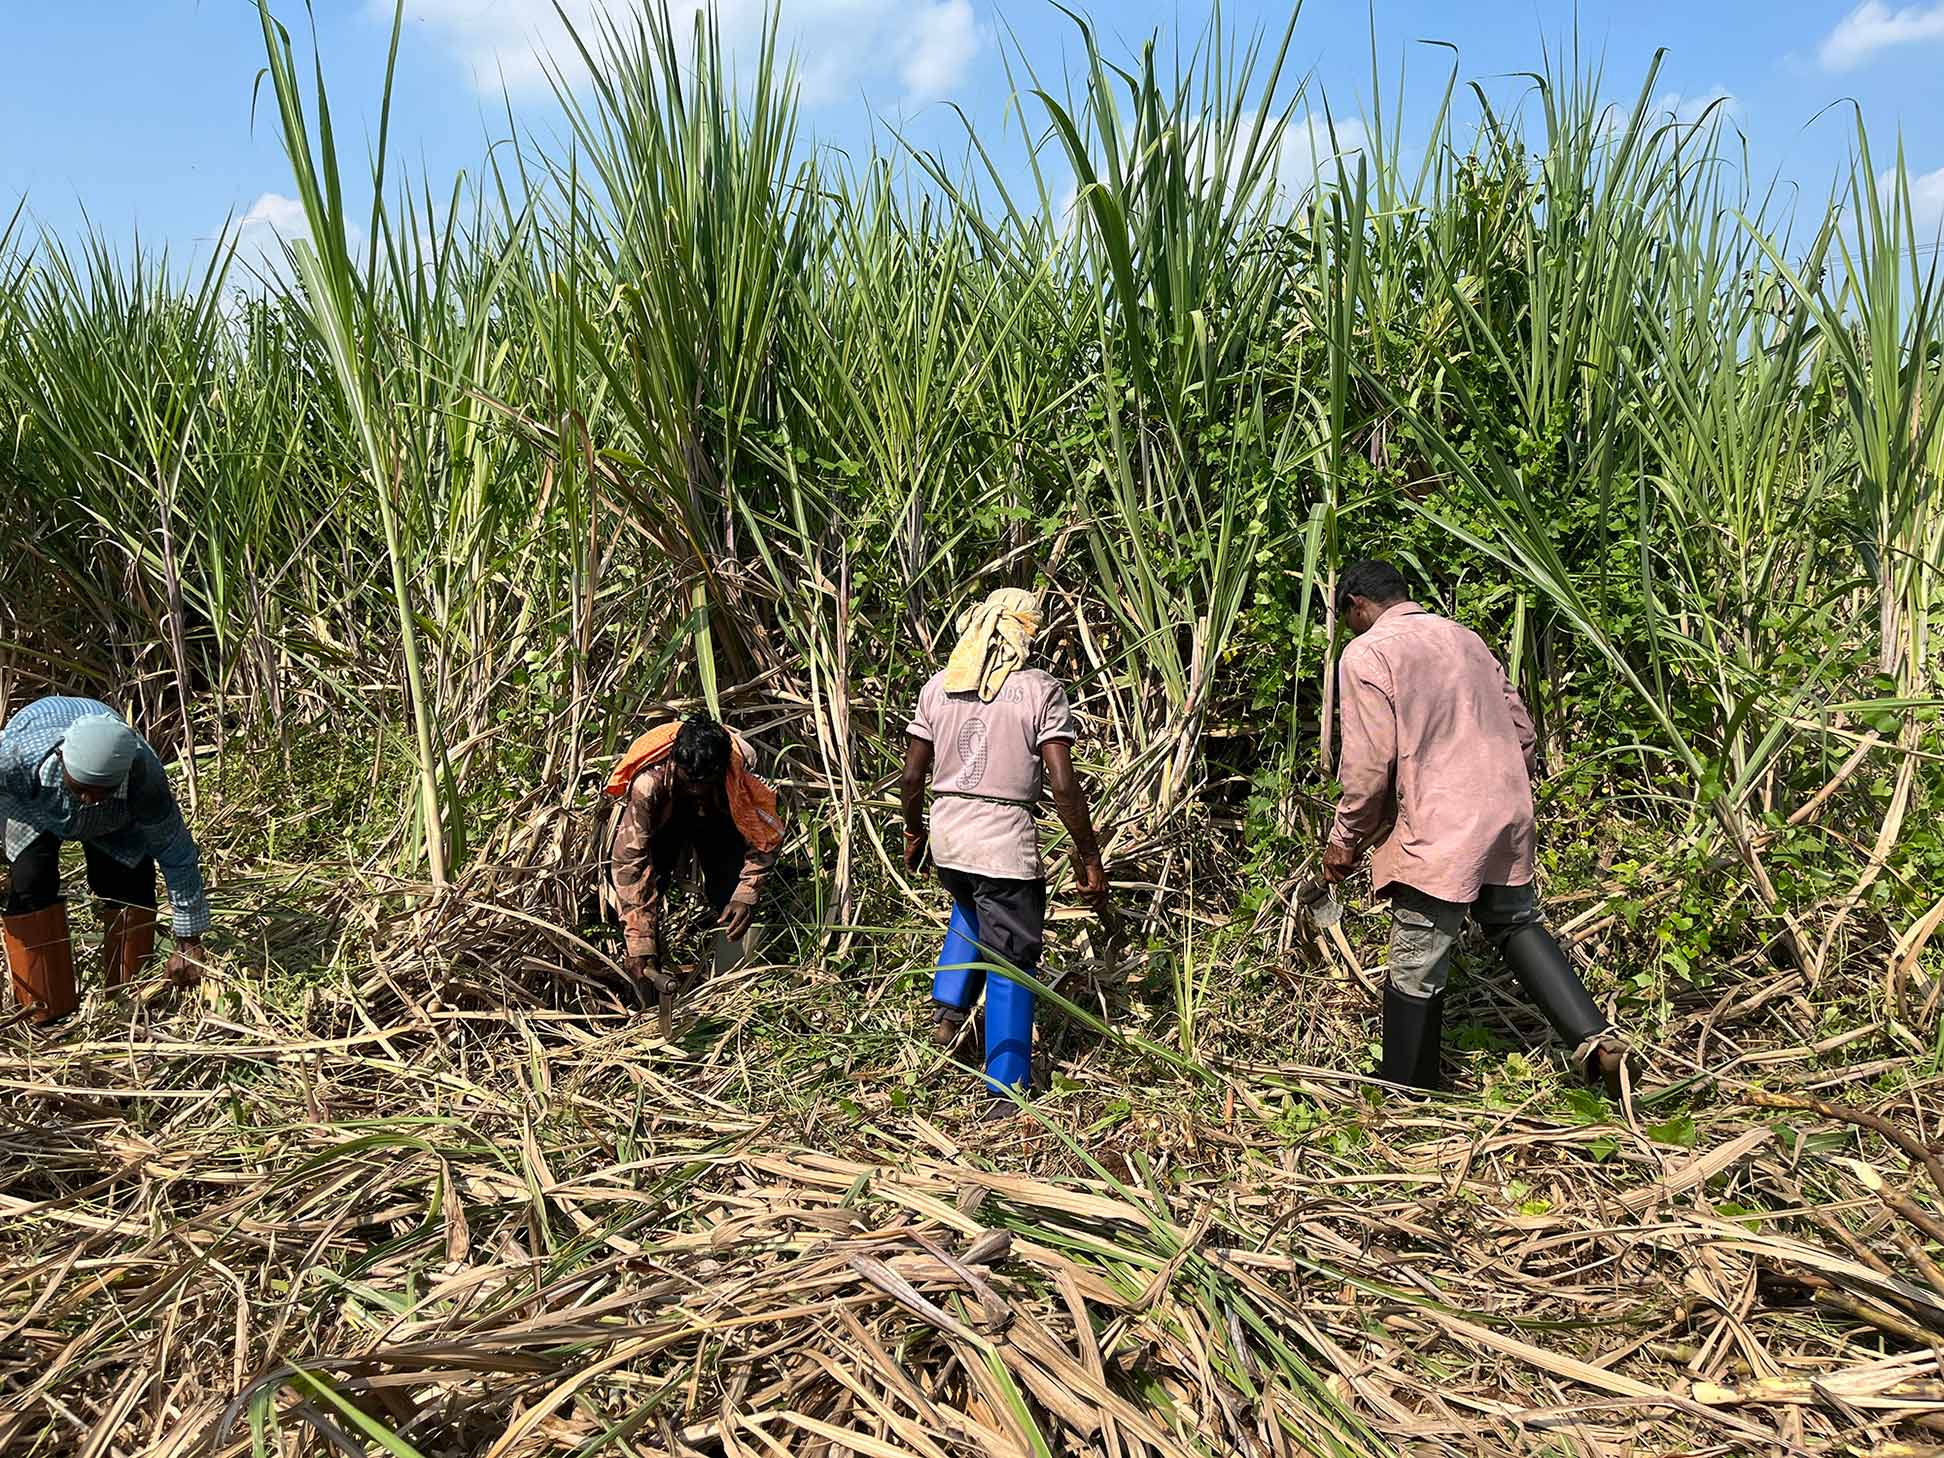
<point x="1438" y="749"/>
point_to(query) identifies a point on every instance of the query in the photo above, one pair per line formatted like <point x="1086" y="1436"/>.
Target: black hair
<point x="702" y="750"/>
<point x="1377" y="582"/>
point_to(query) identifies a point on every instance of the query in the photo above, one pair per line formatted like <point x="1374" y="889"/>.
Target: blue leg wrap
<point x="956" y="984"/>
<point x="1009" y="1034"/>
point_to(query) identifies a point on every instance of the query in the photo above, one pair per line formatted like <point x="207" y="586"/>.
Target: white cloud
<point x="1069" y="212"/>
<point x="1691" y="109"/>
<point x="1926" y="201"/>
<point x="273" y="213"/>
<point x="1307" y="153"/>
<point x="942" y="41"/>
<point x="1673" y="106"/>
<point x="272" y="221"/>
<point x="926" y="46"/>
<point x="1311" y="148"/>
<point x="260" y="234"/>
<point x="1874" y="27"/>
<point x="510" y="40"/>
<point x="1305" y="158"/>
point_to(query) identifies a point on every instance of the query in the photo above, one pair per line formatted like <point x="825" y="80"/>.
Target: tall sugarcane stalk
<point x="344" y="310"/>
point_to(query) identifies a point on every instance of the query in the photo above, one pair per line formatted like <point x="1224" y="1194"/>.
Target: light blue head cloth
<point x="98" y="750"/>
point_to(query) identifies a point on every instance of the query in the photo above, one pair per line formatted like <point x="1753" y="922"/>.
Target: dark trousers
<point x="718" y="848"/>
<point x="35" y="877"/>
<point x="1006" y="919"/>
<point x="1011" y="914"/>
<point x="1425" y="930"/>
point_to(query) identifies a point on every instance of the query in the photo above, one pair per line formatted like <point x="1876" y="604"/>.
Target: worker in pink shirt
<point x="1436" y="763"/>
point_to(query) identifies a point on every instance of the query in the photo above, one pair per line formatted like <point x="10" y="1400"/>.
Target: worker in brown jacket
<point x="1436" y="762"/>
<point x="690" y="797"/>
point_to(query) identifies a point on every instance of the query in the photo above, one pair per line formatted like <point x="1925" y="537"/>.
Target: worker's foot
<point x="1603" y="1058"/>
<point x="1000" y="1110"/>
<point x="945" y="1025"/>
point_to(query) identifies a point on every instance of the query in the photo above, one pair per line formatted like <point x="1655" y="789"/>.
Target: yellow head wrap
<point x="994" y="638"/>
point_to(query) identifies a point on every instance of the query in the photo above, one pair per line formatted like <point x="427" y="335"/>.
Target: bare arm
<point x="1070" y="801"/>
<point x="911" y="798"/>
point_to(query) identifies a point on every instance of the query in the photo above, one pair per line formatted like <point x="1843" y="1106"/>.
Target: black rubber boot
<point x="1413" y="1034"/>
<point x="1548" y="979"/>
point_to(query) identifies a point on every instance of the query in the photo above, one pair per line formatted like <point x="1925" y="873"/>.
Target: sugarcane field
<point x="1182" y="765"/>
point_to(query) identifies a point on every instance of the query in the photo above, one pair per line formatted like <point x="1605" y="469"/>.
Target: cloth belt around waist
<point x="989" y="799"/>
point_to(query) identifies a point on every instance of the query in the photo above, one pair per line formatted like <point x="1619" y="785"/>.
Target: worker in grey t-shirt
<point x="992" y="735"/>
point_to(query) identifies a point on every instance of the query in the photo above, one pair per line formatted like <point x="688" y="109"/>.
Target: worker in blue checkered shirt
<point x="73" y="769"/>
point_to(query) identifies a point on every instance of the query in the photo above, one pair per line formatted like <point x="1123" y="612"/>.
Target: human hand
<point x="736" y="919"/>
<point x="1090" y="878"/>
<point x="185" y="965"/>
<point x="640" y="967"/>
<point x="917" y="851"/>
<point x="1338" y="863"/>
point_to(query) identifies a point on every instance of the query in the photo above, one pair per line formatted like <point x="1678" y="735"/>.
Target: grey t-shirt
<point x="986" y="771"/>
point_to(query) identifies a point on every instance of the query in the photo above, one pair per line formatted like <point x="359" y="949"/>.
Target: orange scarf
<point x="752" y="803"/>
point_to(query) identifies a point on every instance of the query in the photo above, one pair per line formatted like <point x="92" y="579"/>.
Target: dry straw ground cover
<point x="391" y="541"/>
<point x="432" y="1208"/>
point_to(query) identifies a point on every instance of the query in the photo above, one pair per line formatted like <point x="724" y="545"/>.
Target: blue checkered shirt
<point x="139" y="820"/>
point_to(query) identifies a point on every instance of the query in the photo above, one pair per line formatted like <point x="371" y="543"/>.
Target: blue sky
<point x="137" y="113"/>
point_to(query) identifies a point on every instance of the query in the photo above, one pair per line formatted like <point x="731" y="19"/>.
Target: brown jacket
<point x="637" y="889"/>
